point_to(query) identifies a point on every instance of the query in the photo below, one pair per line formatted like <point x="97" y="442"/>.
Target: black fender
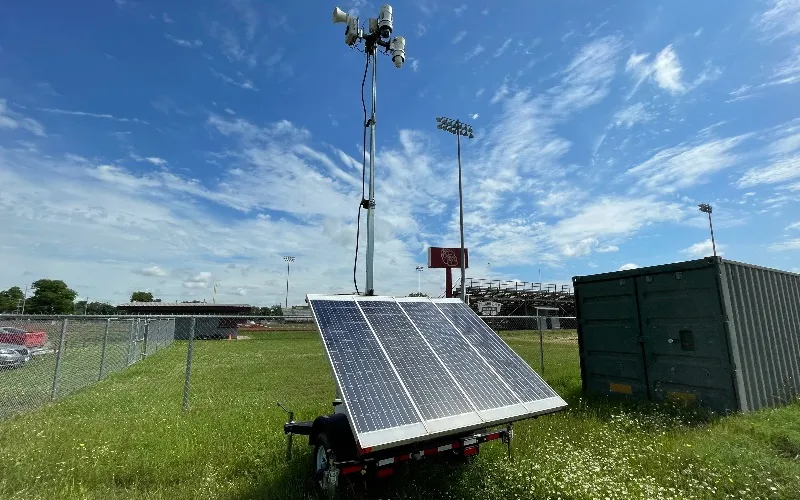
<point x="337" y="428"/>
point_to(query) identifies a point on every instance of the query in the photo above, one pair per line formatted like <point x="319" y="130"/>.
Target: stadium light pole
<point x="706" y="208"/>
<point x="458" y="128"/>
<point x="289" y="259"/>
<point x="419" y="282"/>
<point x="378" y="34"/>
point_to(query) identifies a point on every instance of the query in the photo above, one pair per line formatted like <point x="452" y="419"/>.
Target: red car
<point x="12" y="335"/>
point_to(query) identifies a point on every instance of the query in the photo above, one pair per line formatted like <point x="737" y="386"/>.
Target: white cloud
<point x="779" y="171"/>
<point x="199" y="280"/>
<point x="631" y="115"/>
<point x="479" y="93"/>
<point x="781" y="19"/>
<point x="499" y="52"/>
<point x="244" y="84"/>
<point x="414" y="64"/>
<point x="153" y="271"/>
<point x="608" y="249"/>
<point x="628" y="267"/>
<point x="166" y="18"/>
<point x="191" y="44"/>
<point x="702" y="249"/>
<point x="684" y="166"/>
<point x="160" y="162"/>
<point x="460" y="9"/>
<point x="500" y="93"/>
<point x="421" y="29"/>
<point x="587" y="78"/>
<point x="795" y="225"/>
<point x="229" y="111"/>
<point x="665" y="70"/>
<point x="104" y="116"/>
<point x="476" y="51"/>
<point x="788" y="71"/>
<point x="11" y="120"/>
<point x="786" y="246"/>
<point x="460" y="36"/>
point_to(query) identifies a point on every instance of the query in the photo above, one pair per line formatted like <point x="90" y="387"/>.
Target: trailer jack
<point x="290" y="428"/>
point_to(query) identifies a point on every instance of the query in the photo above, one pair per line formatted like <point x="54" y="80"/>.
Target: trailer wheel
<point x="326" y="474"/>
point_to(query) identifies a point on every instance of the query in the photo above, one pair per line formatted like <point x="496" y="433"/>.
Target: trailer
<point x="416" y="377"/>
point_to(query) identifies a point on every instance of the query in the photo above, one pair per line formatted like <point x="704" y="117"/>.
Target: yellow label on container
<point x="620" y="388"/>
<point x="686" y="397"/>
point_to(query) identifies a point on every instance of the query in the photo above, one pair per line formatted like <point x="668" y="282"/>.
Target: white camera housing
<point x="352" y="33"/>
<point x="385" y="21"/>
<point x="398" y="48"/>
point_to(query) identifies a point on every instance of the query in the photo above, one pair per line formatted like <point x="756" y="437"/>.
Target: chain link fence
<point x="46" y="358"/>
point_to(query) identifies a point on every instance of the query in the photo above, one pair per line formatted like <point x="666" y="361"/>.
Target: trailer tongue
<point x="415" y="377"/>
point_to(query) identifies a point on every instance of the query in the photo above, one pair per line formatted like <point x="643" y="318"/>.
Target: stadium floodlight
<point x="379" y="32"/>
<point x="288" y="259"/>
<point x="419" y="282"/>
<point x="458" y="128"/>
<point x="706" y="208"/>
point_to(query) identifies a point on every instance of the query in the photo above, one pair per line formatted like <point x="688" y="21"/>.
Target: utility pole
<point x="289" y="259"/>
<point x="706" y="208"/>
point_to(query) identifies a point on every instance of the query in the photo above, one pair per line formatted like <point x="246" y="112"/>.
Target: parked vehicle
<point x="18" y="336"/>
<point x="13" y="355"/>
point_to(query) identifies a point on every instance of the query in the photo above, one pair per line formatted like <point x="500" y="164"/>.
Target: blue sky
<point x="167" y="147"/>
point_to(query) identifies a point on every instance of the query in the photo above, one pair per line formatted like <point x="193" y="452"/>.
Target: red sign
<point x="439" y="258"/>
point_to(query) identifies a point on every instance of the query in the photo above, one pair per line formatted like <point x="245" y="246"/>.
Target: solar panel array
<point x="415" y="368"/>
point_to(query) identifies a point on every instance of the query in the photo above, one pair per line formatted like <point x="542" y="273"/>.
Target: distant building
<point x="221" y="323"/>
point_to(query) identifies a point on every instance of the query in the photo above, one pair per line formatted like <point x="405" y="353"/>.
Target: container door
<point x="685" y="341"/>
<point x="612" y="360"/>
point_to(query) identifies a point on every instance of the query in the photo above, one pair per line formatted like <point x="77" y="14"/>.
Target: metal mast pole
<point x="287" y="284"/>
<point x="461" y="218"/>
<point x="370" y="290"/>
<point x="710" y="225"/>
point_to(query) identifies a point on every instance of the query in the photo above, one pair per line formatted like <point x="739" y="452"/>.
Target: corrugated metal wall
<point x="763" y="308"/>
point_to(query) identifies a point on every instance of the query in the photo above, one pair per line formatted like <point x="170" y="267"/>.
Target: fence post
<point x="541" y="343"/>
<point x="103" y="353"/>
<point x="146" y="332"/>
<point x="131" y="336"/>
<point x="57" y="374"/>
<point x="187" y="382"/>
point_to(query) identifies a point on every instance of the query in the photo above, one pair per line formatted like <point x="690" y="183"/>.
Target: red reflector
<point x="431" y="451"/>
<point x="362" y="451"/>
<point x="388" y="471"/>
<point x="456" y="445"/>
<point x="403" y="458"/>
<point x="470" y="450"/>
<point x="351" y="469"/>
<point x="493" y="435"/>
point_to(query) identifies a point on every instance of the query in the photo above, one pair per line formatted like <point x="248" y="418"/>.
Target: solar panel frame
<point x="433" y="428"/>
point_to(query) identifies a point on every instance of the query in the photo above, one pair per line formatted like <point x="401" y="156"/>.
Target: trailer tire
<point x="326" y="479"/>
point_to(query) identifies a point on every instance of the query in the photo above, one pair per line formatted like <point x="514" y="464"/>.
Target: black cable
<point x="363" y="174"/>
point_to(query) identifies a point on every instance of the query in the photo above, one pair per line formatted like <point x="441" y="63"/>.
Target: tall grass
<point x="127" y="437"/>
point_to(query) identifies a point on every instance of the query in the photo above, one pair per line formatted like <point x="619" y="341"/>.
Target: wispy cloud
<point x="783" y="170"/>
<point x="152" y="271"/>
<point x="243" y="84"/>
<point x="460" y="9"/>
<point x="499" y="52"/>
<point x="781" y="19"/>
<point x="631" y="115"/>
<point x="664" y="70"/>
<point x="786" y="246"/>
<point x="248" y="15"/>
<point x="191" y="44"/>
<point x="12" y="120"/>
<point x="104" y="116"/>
<point x="459" y="36"/>
<point x="414" y="64"/>
<point x="684" y="166"/>
<point x="476" y="51"/>
<point x="165" y="17"/>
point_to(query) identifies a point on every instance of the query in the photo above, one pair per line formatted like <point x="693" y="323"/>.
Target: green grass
<point x="126" y="437"/>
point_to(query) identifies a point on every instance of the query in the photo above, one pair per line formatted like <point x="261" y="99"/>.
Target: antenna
<point x="380" y="32"/>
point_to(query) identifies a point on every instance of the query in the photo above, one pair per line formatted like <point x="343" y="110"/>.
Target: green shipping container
<point x="721" y="333"/>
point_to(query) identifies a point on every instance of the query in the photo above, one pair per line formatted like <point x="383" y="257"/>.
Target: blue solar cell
<point x="431" y="387"/>
<point x="482" y="386"/>
<point x="373" y="393"/>
<point x="525" y="382"/>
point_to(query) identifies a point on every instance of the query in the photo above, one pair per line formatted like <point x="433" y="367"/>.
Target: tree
<point x="51" y="297"/>
<point x="276" y="310"/>
<point x="95" y="308"/>
<point x="142" y="297"/>
<point x="415" y="294"/>
<point x="10" y="299"/>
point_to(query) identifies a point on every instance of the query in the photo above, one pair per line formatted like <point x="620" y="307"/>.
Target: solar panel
<point x="413" y="368"/>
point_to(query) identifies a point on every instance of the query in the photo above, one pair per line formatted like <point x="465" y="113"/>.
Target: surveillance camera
<point x="398" y="48"/>
<point x="352" y="33"/>
<point x="385" y="20"/>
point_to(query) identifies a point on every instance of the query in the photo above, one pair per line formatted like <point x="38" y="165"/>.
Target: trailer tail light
<point x="385" y="472"/>
<point x="492" y="436"/>
<point x="470" y="451"/>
